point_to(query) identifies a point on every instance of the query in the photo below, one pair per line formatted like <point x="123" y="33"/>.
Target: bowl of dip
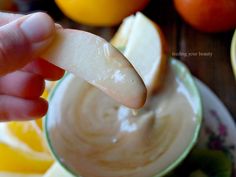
<point x="91" y="135"/>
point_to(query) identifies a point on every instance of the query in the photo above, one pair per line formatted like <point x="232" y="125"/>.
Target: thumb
<point x="23" y="39"/>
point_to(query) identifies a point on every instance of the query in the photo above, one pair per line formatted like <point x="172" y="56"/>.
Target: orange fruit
<point x="100" y="12"/>
<point x="208" y="15"/>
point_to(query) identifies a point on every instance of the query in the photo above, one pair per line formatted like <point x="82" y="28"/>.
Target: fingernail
<point x="38" y="27"/>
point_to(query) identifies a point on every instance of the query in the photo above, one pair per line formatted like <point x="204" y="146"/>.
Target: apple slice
<point x="145" y="48"/>
<point x="120" y="39"/>
<point x="98" y="62"/>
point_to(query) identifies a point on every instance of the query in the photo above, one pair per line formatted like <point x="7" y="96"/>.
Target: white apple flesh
<point x="95" y="60"/>
<point x="146" y="53"/>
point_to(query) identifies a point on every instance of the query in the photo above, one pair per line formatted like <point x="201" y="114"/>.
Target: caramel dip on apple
<point x="97" y="137"/>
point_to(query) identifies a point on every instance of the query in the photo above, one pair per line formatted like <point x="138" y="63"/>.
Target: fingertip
<point x="45" y="69"/>
<point x="19" y="109"/>
<point x="36" y="108"/>
<point x="40" y="108"/>
<point x="22" y="84"/>
<point x="57" y="74"/>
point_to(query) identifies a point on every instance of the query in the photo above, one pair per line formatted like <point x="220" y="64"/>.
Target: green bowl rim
<point x="46" y="134"/>
<point x="179" y="68"/>
<point x="233" y="52"/>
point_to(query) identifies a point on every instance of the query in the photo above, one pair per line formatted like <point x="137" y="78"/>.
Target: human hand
<point x="22" y="72"/>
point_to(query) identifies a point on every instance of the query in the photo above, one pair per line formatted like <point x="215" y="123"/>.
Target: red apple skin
<point x="208" y="15"/>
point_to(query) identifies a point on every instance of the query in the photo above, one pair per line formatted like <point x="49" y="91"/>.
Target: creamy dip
<point x="97" y="137"/>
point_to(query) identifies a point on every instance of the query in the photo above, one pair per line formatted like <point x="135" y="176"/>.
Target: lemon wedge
<point x="57" y="170"/>
<point x="14" y="159"/>
<point x="30" y="133"/>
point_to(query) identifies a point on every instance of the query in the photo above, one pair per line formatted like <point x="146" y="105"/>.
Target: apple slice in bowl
<point x="144" y="45"/>
<point x="92" y="135"/>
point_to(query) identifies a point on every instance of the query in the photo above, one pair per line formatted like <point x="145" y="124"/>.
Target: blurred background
<point x="198" y="32"/>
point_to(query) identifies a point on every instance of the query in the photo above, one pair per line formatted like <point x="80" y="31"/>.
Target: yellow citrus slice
<point x="100" y="12"/>
<point x="57" y="170"/>
<point x="39" y="123"/>
<point x="29" y="133"/>
<point x="9" y="174"/>
<point x="14" y="159"/>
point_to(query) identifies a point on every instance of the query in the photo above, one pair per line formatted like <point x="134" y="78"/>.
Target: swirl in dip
<point x="96" y="137"/>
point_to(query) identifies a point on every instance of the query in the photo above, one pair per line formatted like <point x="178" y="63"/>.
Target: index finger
<point x="6" y="18"/>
